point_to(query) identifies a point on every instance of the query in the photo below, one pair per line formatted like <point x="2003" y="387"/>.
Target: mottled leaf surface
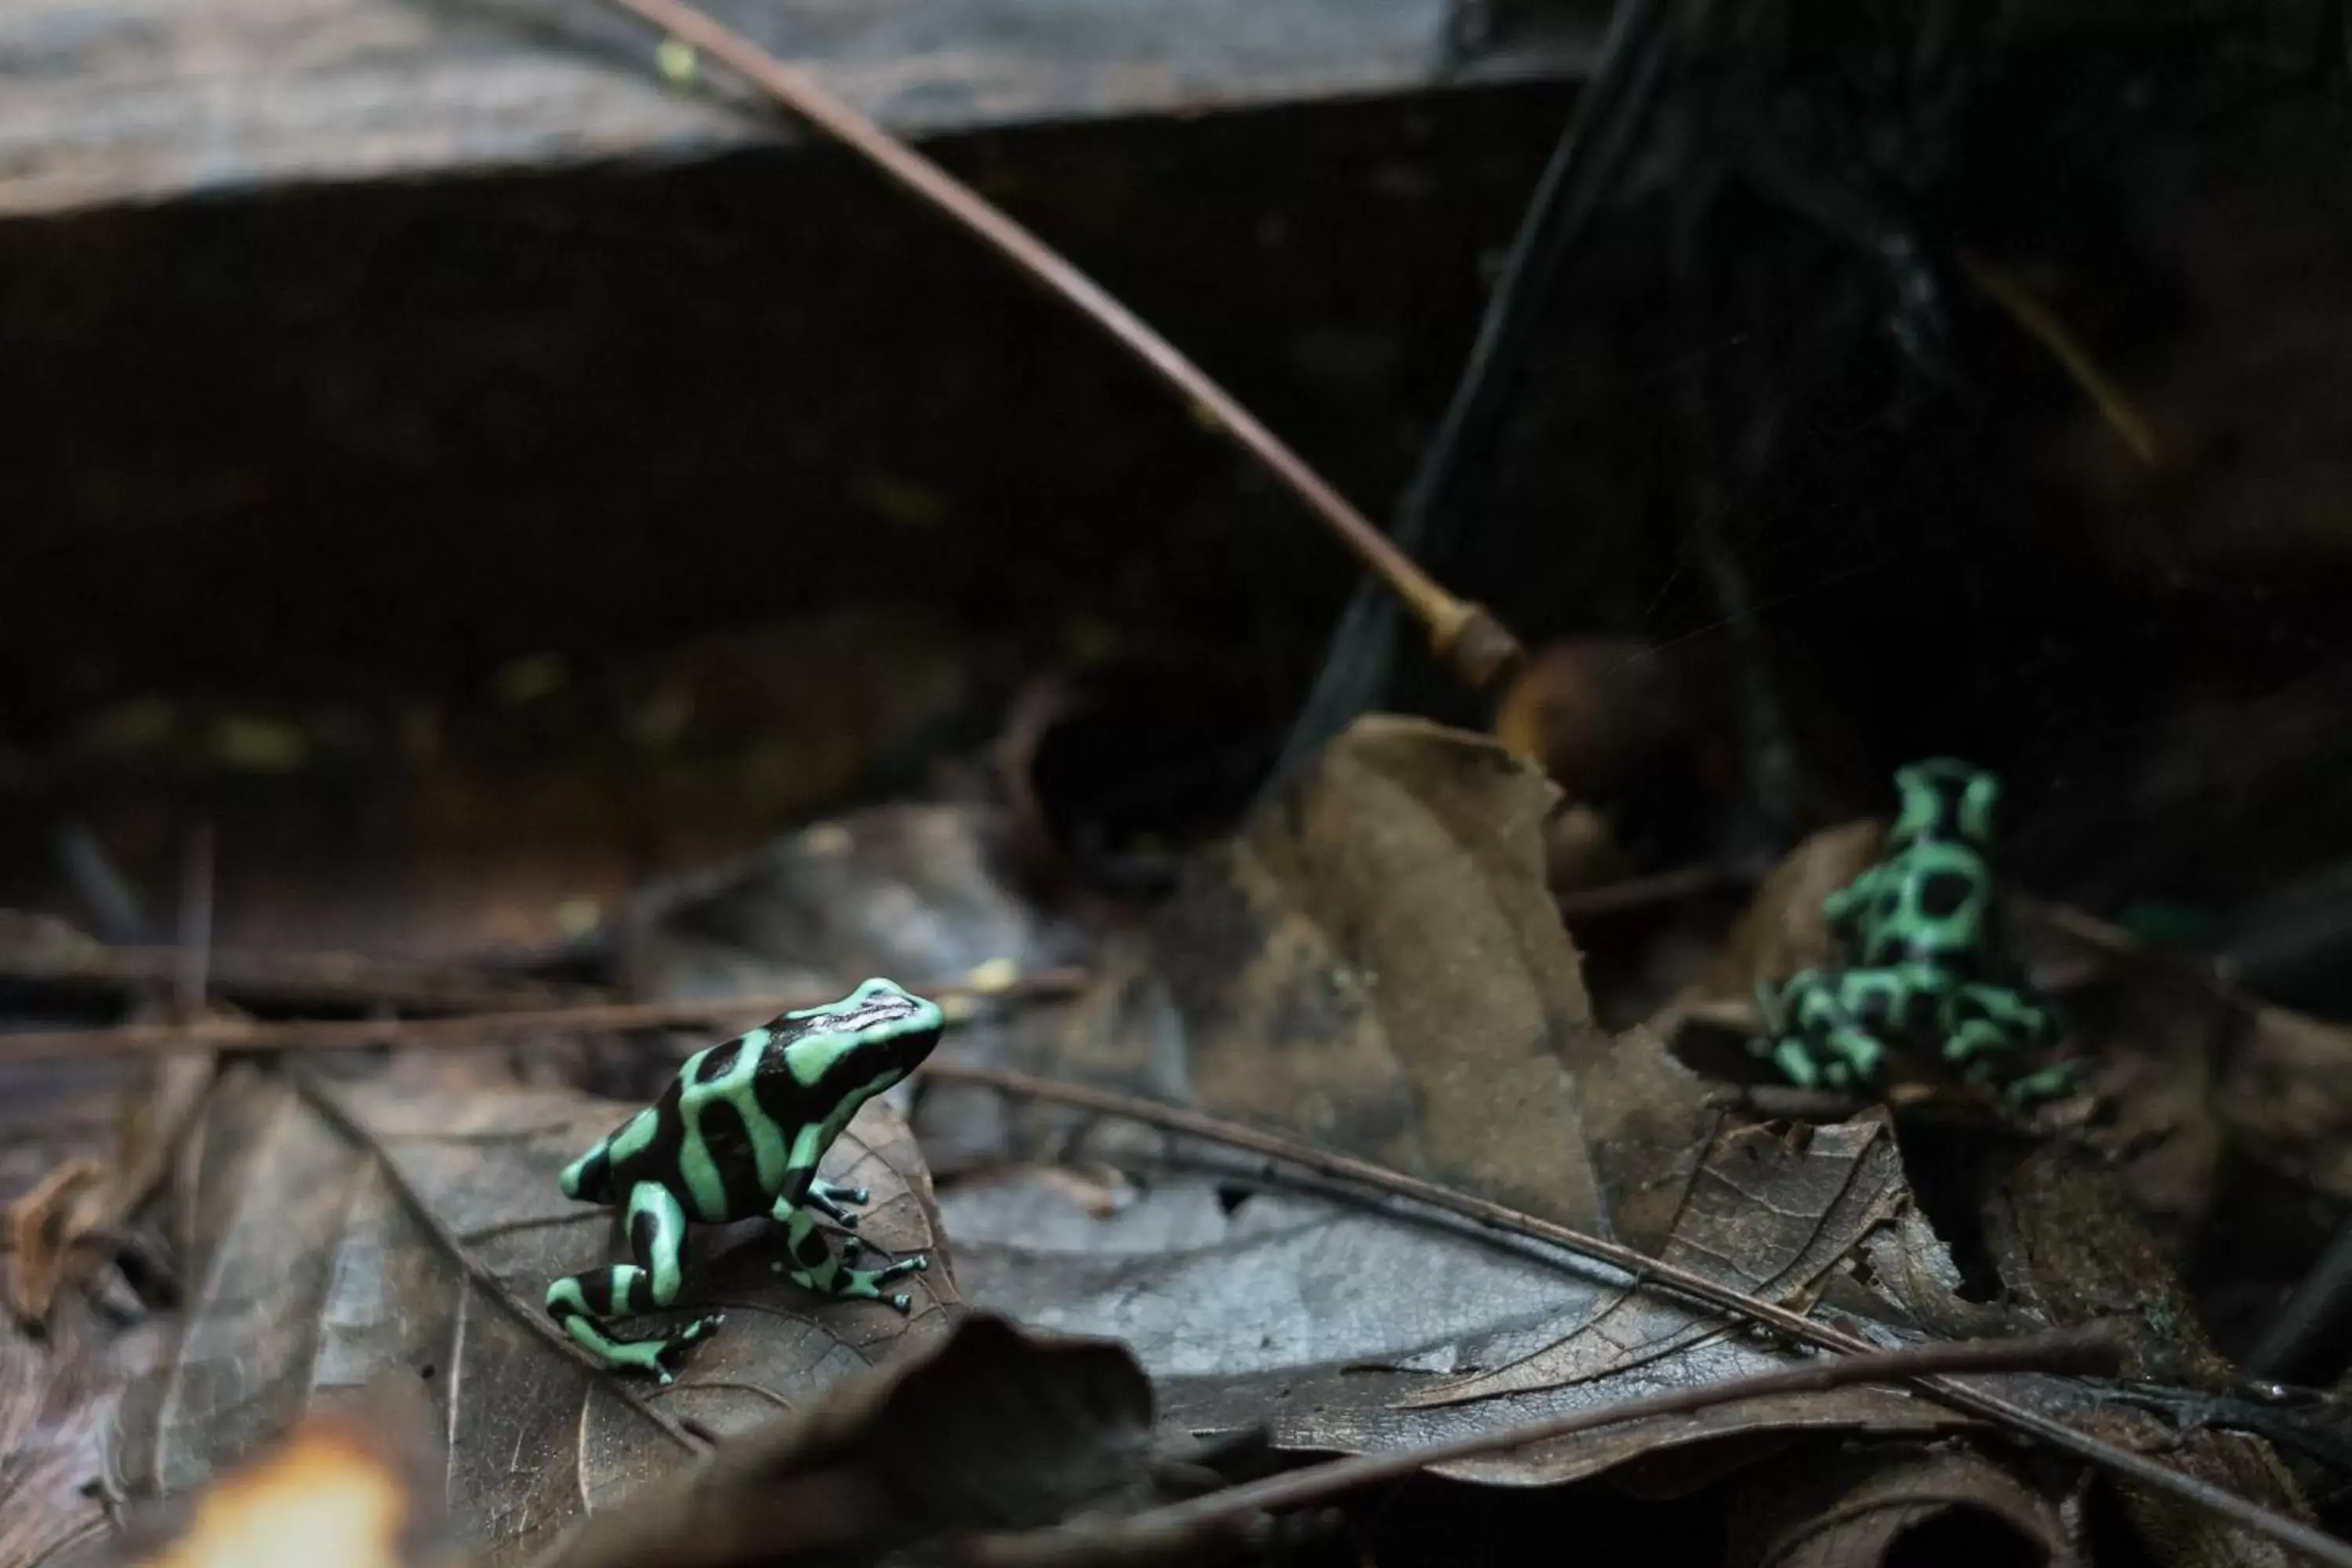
<point x="1767" y="1216"/>
<point x="339" y="1231"/>
<point x="1376" y="964"/>
<point x="1865" y="1507"/>
<point x="1365" y="1329"/>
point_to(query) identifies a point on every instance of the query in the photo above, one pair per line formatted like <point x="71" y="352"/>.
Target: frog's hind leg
<point x="1988" y="1027"/>
<point x="815" y="1268"/>
<point x="582" y="1303"/>
<point x="1824" y="1040"/>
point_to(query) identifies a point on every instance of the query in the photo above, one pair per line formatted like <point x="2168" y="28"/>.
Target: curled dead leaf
<point x="1377" y="964"/>
<point x="47" y="1226"/>
<point x="1782" y="929"/>
<point x="1865" y="1507"/>
<point x="72" y="1221"/>
<point x="992" y="1429"/>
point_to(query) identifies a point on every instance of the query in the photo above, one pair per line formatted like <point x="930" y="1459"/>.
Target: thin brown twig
<point x="2122" y="1462"/>
<point x="471" y="1032"/>
<point x="337" y="979"/>
<point x="2041" y="323"/>
<point x="192" y="981"/>
<point x="1677" y="886"/>
<point x="1465" y="636"/>
<point x="1195" y="1521"/>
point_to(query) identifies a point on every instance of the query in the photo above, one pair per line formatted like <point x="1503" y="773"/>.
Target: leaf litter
<point x="342" y="1230"/>
<point x="1375" y="964"/>
<point x="1385" y="1029"/>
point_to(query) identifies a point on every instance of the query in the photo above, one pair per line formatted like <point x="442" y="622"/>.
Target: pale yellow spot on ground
<point x="900" y="500"/>
<point x="530" y="678"/>
<point x="826" y="838"/>
<point x="674" y="57"/>
<point x="251" y="743"/>
<point x="323" y="1498"/>
<point x="134" y="726"/>
<point x="995" y="975"/>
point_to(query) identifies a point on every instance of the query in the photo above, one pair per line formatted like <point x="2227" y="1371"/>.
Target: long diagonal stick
<point x="1465" y="636"/>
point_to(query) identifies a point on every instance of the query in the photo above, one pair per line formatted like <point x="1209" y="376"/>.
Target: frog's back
<point x="1936" y="907"/>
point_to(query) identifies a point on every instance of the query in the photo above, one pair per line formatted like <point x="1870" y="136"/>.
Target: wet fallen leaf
<point x="1862" y="1507"/>
<point x="346" y="1230"/>
<point x="987" y="1428"/>
<point x="1247" y="1304"/>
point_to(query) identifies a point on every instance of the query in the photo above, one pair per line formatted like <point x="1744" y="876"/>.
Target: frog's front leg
<point x="583" y="1302"/>
<point x="815" y="1268"/>
<point x="1850" y="910"/>
<point x="827" y="1198"/>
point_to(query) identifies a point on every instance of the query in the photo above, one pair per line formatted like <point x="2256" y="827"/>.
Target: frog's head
<point x="1945" y="799"/>
<point x="878" y="1032"/>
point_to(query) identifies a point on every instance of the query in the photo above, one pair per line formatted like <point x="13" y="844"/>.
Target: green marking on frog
<point x="1929" y="968"/>
<point x="739" y="1133"/>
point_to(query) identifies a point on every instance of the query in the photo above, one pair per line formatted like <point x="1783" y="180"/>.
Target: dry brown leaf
<point x="2190" y="1069"/>
<point x="1783" y="929"/>
<point x="48" y="1226"/>
<point x="2178" y="1534"/>
<point x="84" y="1200"/>
<point x="2067" y="1241"/>
<point x="2065" y="1237"/>
<point x="990" y="1429"/>
<point x="1866" y="1506"/>
<point x="2284" y="1098"/>
<point x="1376" y="964"/>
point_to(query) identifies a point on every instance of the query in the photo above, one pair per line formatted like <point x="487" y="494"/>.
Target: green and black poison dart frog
<point x="1928" y="968"/>
<point x="738" y="1134"/>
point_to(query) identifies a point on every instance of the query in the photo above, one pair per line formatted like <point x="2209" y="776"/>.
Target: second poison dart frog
<point x="1928" y="967"/>
<point x="737" y="1135"/>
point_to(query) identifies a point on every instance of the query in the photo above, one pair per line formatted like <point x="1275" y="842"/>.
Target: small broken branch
<point x="1195" y="1522"/>
<point x="2136" y="1469"/>
<point x="2041" y="323"/>
<point x="1464" y="635"/>
<point x="64" y="957"/>
<point x="476" y="1030"/>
